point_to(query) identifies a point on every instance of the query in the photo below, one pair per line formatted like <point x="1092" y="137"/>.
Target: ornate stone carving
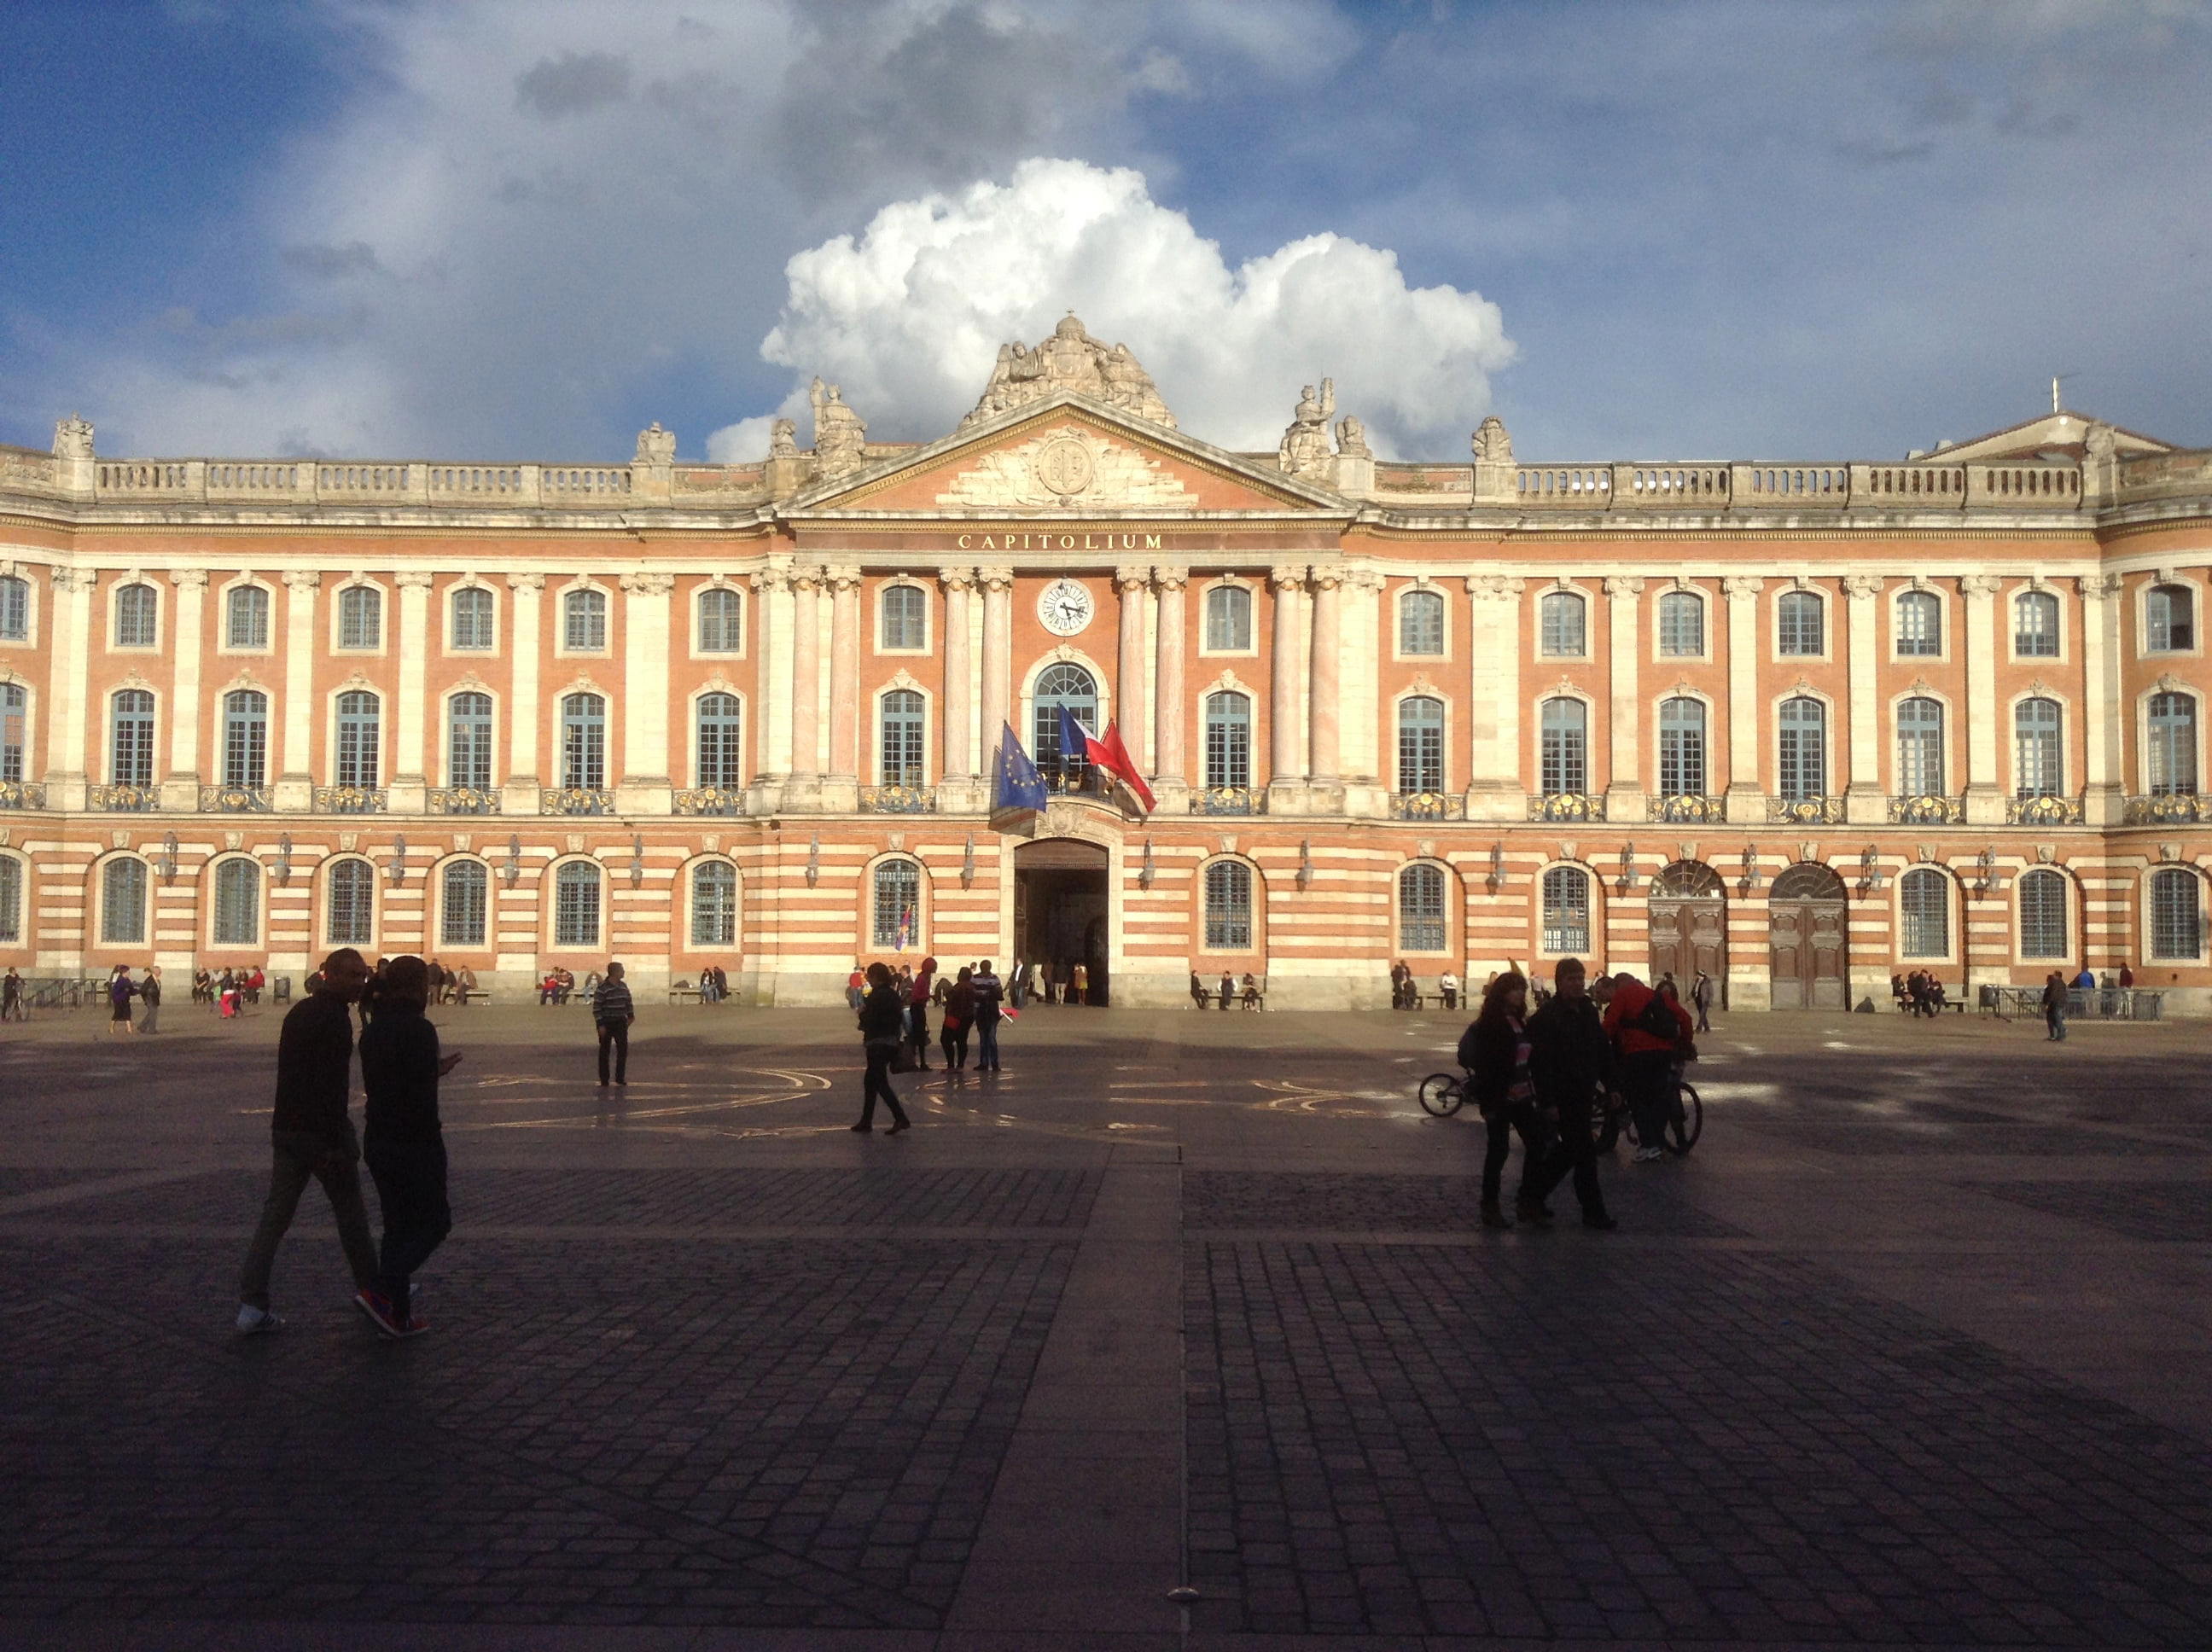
<point x="1495" y="587"/>
<point x="1980" y="585"/>
<point x="1071" y="360"/>
<point x="783" y="440"/>
<point x="302" y="579"/>
<point x="1287" y="579"/>
<point x="655" y="445"/>
<point x="1738" y="586"/>
<point x="1043" y="474"/>
<point x="1351" y="438"/>
<point x="1624" y="585"/>
<point x="1490" y="442"/>
<point x="74" y="578"/>
<point x="996" y="578"/>
<point x="525" y="582"/>
<point x="767" y="579"/>
<point x="72" y="437"/>
<point x="840" y="439"/>
<point x="957" y="579"/>
<point x="1303" y="450"/>
<point x="1863" y="586"/>
<point x="648" y="585"/>
<point x="1326" y="579"/>
<point x="1170" y="579"/>
<point x="841" y="579"/>
<point x="1129" y="580"/>
<point x="189" y="579"/>
<point x="2100" y="585"/>
<point x="415" y="579"/>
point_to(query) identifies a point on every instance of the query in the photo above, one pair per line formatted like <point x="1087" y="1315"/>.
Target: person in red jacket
<point x="1634" y="1021"/>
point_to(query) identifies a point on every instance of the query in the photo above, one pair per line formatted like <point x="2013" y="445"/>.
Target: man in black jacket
<point x="990" y="996"/>
<point x="311" y="1135"/>
<point x="400" y="1066"/>
<point x="1569" y="1057"/>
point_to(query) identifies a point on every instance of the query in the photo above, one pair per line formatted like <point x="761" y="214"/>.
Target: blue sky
<point x="523" y="228"/>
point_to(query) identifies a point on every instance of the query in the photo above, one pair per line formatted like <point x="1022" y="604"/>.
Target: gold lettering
<point x="1067" y="541"/>
<point x="964" y="538"/>
<point x="1151" y="542"/>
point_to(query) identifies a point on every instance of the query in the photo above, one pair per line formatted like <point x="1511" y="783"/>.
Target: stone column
<point x="408" y="782"/>
<point x="959" y="712"/>
<point x="845" y="676"/>
<point x="1133" y="583"/>
<point x="525" y="714"/>
<point x="2104" y="777"/>
<point x="806" y="675"/>
<point x="1864" y="799"/>
<point x="1497" y="789"/>
<point x="646" y="785"/>
<point x="1625" y="797"/>
<point x="295" y="778"/>
<point x="1985" y="778"/>
<point x="1169" y="714"/>
<point x="1747" y="793"/>
<point x="68" y="691"/>
<point x="1287" y="765"/>
<point x="998" y="651"/>
<point x="180" y="787"/>
<point x="1324" y="700"/>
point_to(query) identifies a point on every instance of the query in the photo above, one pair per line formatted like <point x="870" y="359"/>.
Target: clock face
<point x="1066" y="608"/>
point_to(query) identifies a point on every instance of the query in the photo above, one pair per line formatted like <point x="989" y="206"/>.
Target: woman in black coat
<point x="1495" y="1052"/>
<point x="883" y="1023"/>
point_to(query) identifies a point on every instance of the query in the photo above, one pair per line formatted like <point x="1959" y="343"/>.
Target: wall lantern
<point x="397" y="867"/>
<point x="284" y="859"/>
<point x="1496" y="880"/>
<point x="1871" y="876"/>
<point x="1988" y="880"/>
<point x="1305" y="862"/>
<point x="1147" y="871"/>
<point x="512" y="870"/>
<point x="637" y="860"/>
<point x="1750" y="868"/>
<point x="814" y="861"/>
<point x="1627" y="867"/>
<point x="169" y="863"/>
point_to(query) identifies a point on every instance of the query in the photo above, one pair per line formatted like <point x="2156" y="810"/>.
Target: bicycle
<point x="1443" y="1094"/>
<point x="1613" y="1116"/>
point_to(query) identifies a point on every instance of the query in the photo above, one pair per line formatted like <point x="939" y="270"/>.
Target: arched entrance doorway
<point x="1060" y="910"/>
<point x="1689" y="925"/>
<point x="1805" y="939"/>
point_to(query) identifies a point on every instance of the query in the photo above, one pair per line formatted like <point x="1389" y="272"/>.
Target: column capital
<point x="648" y="585"/>
<point x="302" y="579"/>
<point x="1495" y="587"/>
<point x="1326" y="579"/>
<point x="415" y="579"/>
<point x="1170" y="579"/>
<point x="1742" y="587"/>
<point x="525" y="582"/>
<point x="957" y="579"/>
<point x="845" y="577"/>
<point x="1980" y="585"/>
<point x="1617" y="586"/>
<point x="1130" y="579"/>
<point x="996" y="578"/>
<point x="189" y="579"/>
<point x="2100" y="585"/>
<point x="767" y="580"/>
<point x="1292" y="577"/>
<point x="1365" y="578"/>
<point x="1863" y="587"/>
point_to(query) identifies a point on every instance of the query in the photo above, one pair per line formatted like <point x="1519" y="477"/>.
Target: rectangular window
<point x="576" y="906"/>
<point x="15" y="610"/>
<point x="11" y="899"/>
<point x="472" y="619"/>
<point x="13" y="701"/>
<point x="461" y="919"/>
<point x="720" y="629"/>
<point x="247" y="623"/>
<point x="2176" y="914"/>
<point x="1681" y="624"/>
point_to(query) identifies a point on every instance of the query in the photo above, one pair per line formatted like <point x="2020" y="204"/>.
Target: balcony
<point x="575" y="800"/>
<point x="350" y="800"/>
<point x="23" y="794"/>
<point x="124" y="799"/>
<point x="2168" y="808"/>
<point x="1567" y="807"/>
<point x="2047" y="811"/>
<point x="898" y="799"/>
<point x="461" y="800"/>
<point x="711" y="801"/>
<point x="1805" y="811"/>
<point x="1685" y="809"/>
<point x="1229" y="800"/>
<point x="1427" y="805"/>
<point x="235" y="799"/>
<point x="1929" y="809"/>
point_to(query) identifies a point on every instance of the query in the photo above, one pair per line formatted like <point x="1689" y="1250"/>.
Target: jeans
<point x="987" y="1053"/>
<point x="917" y="1033"/>
<point x="1648" y="1080"/>
<point x="1574" y="1151"/>
<point x="614" y="1033"/>
<point x="151" y="1020"/>
<point x="337" y="1166"/>
<point x="879" y="1083"/>
<point x="1521" y="1116"/>
<point x="410" y="1187"/>
<point x="2056" y="1020"/>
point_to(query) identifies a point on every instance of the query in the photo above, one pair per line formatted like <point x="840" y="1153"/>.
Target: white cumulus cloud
<point x="909" y="315"/>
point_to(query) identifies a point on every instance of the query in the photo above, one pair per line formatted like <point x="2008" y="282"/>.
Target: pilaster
<point x="1324" y="694"/>
<point x="408" y="782"/>
<point x="2103" y="767"/>
<point x="294" y="787"/>
<point x="645" y="787"/>
<point x="1746" y="799"/>
<point x="842" y="791"/>
<point x="1865" y="802"/>
<point x="67" y="689"/>
<point x="1287" y="751"/>
<point x="525" y="715"/>
<point x="1169" y="715"/>
<point x="998" y="585"/>
<point x="1495" y="789"/>
<point x="1133" y="586"/>
<point x="180" y="787"/>
<point x="1624" y="795"/>
<point x="1984" y="781"/>
<point x="805" y="682"/>
<point x="959" y="710"/>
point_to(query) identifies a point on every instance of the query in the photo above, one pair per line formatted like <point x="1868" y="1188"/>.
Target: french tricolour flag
<point x="1109" y="754"/>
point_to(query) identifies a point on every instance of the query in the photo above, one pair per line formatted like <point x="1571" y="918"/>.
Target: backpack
<point x="1467" y="1047"/>
<point x="1656" y="1019"/>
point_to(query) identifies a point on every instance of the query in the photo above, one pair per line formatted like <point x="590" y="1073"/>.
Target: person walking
<point x="2054" y="1007"/>
<point x="11" y="997"/>
<point x="311" y="1135"/>
<point x="959" y="1013"/>
<point x="1568" y="1059"/>
<point x="883" y="1023"/>
<point x="1494" y="1050"/>
<point x="917" y="1013"/>
<point x="989" y="994"/>
<point x="1652" y="1033"/>
<point x="149" y="995"/>
<point x="404" y="1143"/>
<point x="612" y="1010"/>
<point x="120" y="992"/>
<point x="1079" y="984"/>
<point x="1701" y="995"/>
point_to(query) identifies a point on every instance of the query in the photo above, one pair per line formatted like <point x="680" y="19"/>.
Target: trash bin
<point x="281" y="991"/>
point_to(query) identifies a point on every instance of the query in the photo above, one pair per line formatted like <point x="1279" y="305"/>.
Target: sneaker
<point x="378" y="1306"/>
<point x="253" y="1321"/>
<point x="413" y="1326"/>
<point x="1649" y="1155"/>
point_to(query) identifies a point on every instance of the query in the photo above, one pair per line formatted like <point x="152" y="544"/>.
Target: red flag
<point x="1110" y="754"/>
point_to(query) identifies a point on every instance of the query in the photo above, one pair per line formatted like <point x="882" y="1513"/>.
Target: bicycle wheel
<point x="1682" y="1130"/>
<point x="1441" y="1094"/>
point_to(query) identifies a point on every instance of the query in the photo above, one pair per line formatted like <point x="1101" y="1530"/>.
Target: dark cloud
<point x="573" y="83"/>
<point x="324" y="262"/>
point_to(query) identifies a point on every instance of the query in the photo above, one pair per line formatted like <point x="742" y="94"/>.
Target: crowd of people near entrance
<point x="892" y="1007"/>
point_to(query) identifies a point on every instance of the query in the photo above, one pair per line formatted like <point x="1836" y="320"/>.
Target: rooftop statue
<point x="782" y="439"/>
<point x="1305" y="450"/>
<point x="1490" y="443"/>
<point x="1071" y="360"/>
<point x="1352" y="437"/>
<point x="655" y="445"/>
<point x="840" y="439"/>
<point x="72" y="437"/>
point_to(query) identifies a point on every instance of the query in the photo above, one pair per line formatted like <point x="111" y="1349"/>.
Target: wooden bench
<point x="683" y="992"/>
<point x="1205" y="995"/>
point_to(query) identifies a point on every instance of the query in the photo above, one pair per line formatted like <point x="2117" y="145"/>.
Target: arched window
<point x="15" y="610"/>
<point x="1682" y="748"/>
<point x="245" y="737"/>
<point x="352" y="921"/>
<point x="1799" y="623"/>
<point x="11" y="899"/>
<point x="722" y="621"/>
<point x="123" y="903"/>
<point x="1919" y="623"/>
<point x="714" y="904"/>
<point x="894" y="910"/>
<point x="237" y="903"/>
<point x="1802" y="749"/>
<point x="472" y="618"/>
<point x="1923" y="902"/>
<point x="1421" y="908"/>
<point x="905" y="616"/>
<point x="720" y="728"/>
<point x="1229" y="907"/>
<point x="361" y="728"/>
<point x="2043" y="916"/>
<point x="360" y="617"/>
<point x="576" y="904"/>
<point x="1062" y="685"/>
<point x="468" y="741"/>
<point x="903" y="722"/>
<point x="14" y="718"/>
<point x="2035" y="625"/>
<point x="1228" y="619"/>
<point x="1228" y="740"/>
<point x="1565" y="753"/>
<point x="1561" y="624"/>
<point x="1920" y="748"/>
<point x="245" y="617"/>
<point x="2172" y="744"/>
<point x="1566" y="914"/>
<point x="131" y="737"/>
<point x="136" y="616"/>
<point x="2170" y="613"/>
<point x="1421" y="623"/>
<point x="2040" y="757"/>
<point x="583" y="621"/>
<point x="1681" y="623"/>
<point x="464" y="903"/>
<point x="1420" y="745"/>
<point x="584" y="742"/>
<point x="2176" y="913"/>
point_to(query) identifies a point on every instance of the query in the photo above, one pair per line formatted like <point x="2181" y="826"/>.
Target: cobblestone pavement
<point x="1915" y="1350"/>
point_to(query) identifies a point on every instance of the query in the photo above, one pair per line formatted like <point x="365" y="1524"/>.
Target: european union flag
<point x="1016" y="785"/>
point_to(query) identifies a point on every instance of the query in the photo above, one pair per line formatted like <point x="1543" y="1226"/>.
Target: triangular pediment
<point x="2060" y="433"/>
<point x="1066" y="455"/>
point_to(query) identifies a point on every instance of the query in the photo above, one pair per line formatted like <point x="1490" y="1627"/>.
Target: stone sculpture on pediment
<point x="1305" y="450"/>
<point x="1066" y="466"/>
<point x="1351" y="438"/>
<point x="1071" y="360"/>
<point x="1492" y="443"/>
<point x="783" y="440"/>
<point x="655" y="445"/>
<point x="840" y="438"/>
<point x="73" y="438"/>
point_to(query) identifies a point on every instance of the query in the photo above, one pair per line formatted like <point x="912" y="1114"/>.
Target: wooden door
<point x="1806" y="953"/>
<point x="1688" y="935"/>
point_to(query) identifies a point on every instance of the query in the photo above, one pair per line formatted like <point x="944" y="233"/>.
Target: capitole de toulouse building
<point x="1798" y="724"/>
